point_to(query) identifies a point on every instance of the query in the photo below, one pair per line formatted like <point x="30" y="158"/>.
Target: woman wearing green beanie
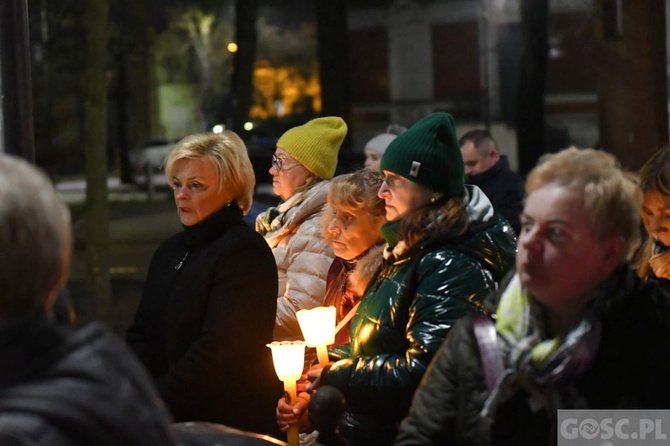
<point x="445" y="251"/>
<point x="302" y="165"/>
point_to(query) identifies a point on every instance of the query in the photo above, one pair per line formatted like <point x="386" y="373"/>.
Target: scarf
<point x="274" y="218"/>
<point x="541" y="365"/>
<point x="391" y="232"/>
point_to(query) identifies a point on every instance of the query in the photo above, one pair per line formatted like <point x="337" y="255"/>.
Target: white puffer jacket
<point x="302" y="255"/>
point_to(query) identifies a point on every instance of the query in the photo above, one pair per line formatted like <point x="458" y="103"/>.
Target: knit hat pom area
<point x="428" y="153"/>
<point x="316" y="144"/>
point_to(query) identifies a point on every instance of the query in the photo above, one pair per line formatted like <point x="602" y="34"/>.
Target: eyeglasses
<point x="395" y="181"/>
<point x="278" y="164"/>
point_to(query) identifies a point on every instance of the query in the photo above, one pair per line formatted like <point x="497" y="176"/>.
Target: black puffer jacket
<point x="630" y="370"/>
<point x="61" y="388"/>
<point x="404" y="317"/>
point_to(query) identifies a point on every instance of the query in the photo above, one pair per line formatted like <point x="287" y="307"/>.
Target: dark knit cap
<point x="428" y="153"/>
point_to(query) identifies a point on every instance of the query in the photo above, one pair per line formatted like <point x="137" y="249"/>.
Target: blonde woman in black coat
<point x="209" y="303"/>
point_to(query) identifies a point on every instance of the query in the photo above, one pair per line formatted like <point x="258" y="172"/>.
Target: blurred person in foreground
<point x="59" y="386"/>
<point x="209" y="301"/>
<point x="445" y="251"/>
<point x="302" y="166"/>
<point x="375" y="147"/>
<point x="352" y="226"/>
<point x="653" y="258"/>
<point x="486" y="168"/>
<point x="575" y="327"/>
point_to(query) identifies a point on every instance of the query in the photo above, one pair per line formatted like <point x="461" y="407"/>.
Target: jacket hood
<point x="479" y="207"/>
<point x="493" y="244"/>
<point x="366" y="269"/>
<point x="491" y="241"/>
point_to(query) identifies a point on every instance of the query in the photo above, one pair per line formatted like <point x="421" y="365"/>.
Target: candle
<point x="318" y="328"/>
<point x="288" y="358"/>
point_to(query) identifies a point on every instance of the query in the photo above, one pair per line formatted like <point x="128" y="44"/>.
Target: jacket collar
<point x="298" y="208"/>
<point x="214" y="225"/>
<point x="27" y="346"/>
<point x="483" y="177"/>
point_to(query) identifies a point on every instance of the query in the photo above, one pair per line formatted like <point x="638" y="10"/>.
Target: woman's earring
<point x="432" y="199"/>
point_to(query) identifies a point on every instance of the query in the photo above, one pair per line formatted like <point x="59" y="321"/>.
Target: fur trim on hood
<point x="366" y="269"/>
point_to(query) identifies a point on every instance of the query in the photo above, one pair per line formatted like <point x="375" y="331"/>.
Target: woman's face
<point x="656" y="215"/>
<point x="372" y="159"/>
<point x="559" y="260"/>
<point x="196" y="188"/>
<point x="353" y="231"/>
<point x="402" y="195"/>
<point x="287" y="174"/>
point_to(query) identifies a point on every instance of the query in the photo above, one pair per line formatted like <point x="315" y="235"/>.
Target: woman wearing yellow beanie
<point x="302" y="165"/>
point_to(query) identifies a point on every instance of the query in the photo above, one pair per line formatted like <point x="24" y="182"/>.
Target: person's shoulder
<point x="493" y="239"/>
<point x="25" y="429"/>
<point x="243" y="241"/>
<point x="640" y="310"/>
<point x="652" y="302"/>
<point x="170" y="243"/>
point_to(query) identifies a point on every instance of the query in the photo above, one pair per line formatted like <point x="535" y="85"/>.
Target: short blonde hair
<point x="35" y="240"/>
<point x="611" y="199"/>
<point x="230" y="158"/>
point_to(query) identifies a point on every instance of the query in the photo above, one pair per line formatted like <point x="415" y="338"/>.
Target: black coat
<point x="629" y="371"/>
<point x="62" y="388"/>
<point x="504" y="188"/>
<point x="206" y="315"/>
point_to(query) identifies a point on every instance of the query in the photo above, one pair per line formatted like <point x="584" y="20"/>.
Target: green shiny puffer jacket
<point x="404" y="317"/>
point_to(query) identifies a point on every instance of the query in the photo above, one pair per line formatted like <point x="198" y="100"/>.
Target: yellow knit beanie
<point x="315" y="144"/>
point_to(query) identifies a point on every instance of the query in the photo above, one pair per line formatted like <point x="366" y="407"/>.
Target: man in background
<point x="487" y="169"/>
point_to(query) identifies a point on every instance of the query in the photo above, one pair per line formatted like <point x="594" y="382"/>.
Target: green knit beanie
<point x="315" y="144"/>
<point x="428" y="153"/>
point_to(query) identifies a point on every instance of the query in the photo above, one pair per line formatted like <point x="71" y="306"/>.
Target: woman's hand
<point x="660" y="264"/>
<point x="314" y="377"/>
<point x="292" y="415"/>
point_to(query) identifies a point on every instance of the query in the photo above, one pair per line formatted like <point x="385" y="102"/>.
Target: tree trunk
<point x="127" y="176"/>
<point x="532" y="81"/>
<point x="95" y="142"/>
<point x="246" y="12"/>
<point x="333" y="55"/>
<point x="16" y="111"/>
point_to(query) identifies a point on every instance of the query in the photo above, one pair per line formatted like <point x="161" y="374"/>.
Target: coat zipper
<point x="181" y="262"/>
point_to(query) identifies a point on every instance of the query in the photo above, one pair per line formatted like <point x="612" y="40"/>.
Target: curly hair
<point x="358" y="189"/>
<point x="352" y="191"/>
